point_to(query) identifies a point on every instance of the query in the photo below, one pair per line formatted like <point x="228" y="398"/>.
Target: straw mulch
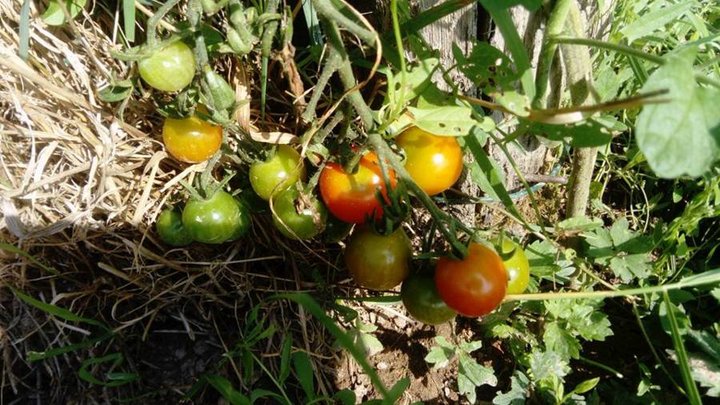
<point x="79" y="192"/>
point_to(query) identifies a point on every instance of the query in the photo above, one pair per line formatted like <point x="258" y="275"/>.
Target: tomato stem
<point x="708" y="277"/>
<point x="155" y="20"/>
<point x="446" y="223"/>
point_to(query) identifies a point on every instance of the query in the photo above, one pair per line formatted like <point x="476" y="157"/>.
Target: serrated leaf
<point x="630" y="267"/>
<point x="519" y="390"/>
<point x="469" y="347"/>
<point x="669" y="133"/>
<point x="547" y="365"/>
<point x="559" y="340"/>
<point x="472" y="375"/>
<point x="440" y="356"/>
<point x="706" y="372"/>
<point x="54" y="14"/>
<point x="445" y="120"/>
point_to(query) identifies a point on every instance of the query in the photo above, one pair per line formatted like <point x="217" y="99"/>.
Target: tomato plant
<point x="434" y="162"/>
<point x="298" y="216"/>
<point x="191" y="139"/>
<point x="277" y="172"/>
<point x="475" y="285"/>
<point x="351" y="197"/>
<point x="378" y="262"/>
<point x="170" y="227"/>
<point x="517" y="267"/>
<point x="170" y="68"/>
<point x="421" y="299"/>
<point x="220" y="218"/>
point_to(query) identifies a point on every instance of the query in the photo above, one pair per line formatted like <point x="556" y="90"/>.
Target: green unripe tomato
<point x="517" y="266"/>
<point x="298" y="217"/>
<point x="378" y="262"/>
<point x="220" y="218"/>
<point x="170" y="68"/>
<point x="422" y="301"/>
<point x="278" y="172"/>
<point x="171" y="230"/>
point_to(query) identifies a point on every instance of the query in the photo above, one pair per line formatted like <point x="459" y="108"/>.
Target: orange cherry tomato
<point x="434" y="162"/>
<point x="351" y="197"/>
<point x="191" y="139"/>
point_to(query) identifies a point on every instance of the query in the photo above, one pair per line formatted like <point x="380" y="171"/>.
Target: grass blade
<point x="691" y="389"/>
<point x="24" y="30"/>
<point x="225" y="388"/>
<point x="14" y="249"/>
<point x="343" y="338"/>
<point x="129" y="19"/>
<point x="433" y="14"/>
<point x="57" y="311"/>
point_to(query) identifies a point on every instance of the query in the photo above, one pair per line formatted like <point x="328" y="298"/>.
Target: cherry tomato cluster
<point x="351" y="194"/>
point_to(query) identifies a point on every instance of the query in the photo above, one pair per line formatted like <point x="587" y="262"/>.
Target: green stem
<point x="681" y="353"/>
<point x="331" y="66"/>
<point x="628" y="51"/>
<point x="401" y="51"/>
<point x="654" y="352"/>
<point x="601" y="366"/>
<point x="708" y="277"/>
<point x="265" y="49"/>
<point x="442" y="219"/>
<point x="555" y="26"/>
<point x="346" y="75"/>
<point x="155" y="20"/>
<point x="333" y="13"/>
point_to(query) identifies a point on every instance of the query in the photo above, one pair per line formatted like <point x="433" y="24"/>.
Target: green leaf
<point x="516" y="103"/>
<point x="112" y="379"/>
<point x="440" y="354"/>
<point x="706" y="372"/>
<point x="716" y="293"/>
<point x="469" y="347"/>
<point x="682" y="358"/>
<point x="547" y="365"/>
<point x="305" y="373"/>
<point x="586" y="386"/>
<point x="54" y="14"/>
<point x="487" y="67"/>
<point x="682" y="321"/>
<point x="116" y="92"/>
<point x="14" y="249"/>
<point x="344" y="339"/>
<point x="345" y="397"/>
<point x="630" y="267"/>
<point x="582" y="224"/>
<point x="709" y="344"/>
<point x="655" y="20"/>
<point x="225" y="388"/>
<point x="445" y="121"/>
<point x="472" y="375"/>
<point x="519" y="391"/>
<point x="57" y="311"/>
<point x="129" y="19"/>
<point x="416" y="80"/>
<point x="559" y="340"/>
<point x="586" y="133"/>
<point x="362" y="337"/>
<point x="679" y="137"/>
<point x="397" y="390"/>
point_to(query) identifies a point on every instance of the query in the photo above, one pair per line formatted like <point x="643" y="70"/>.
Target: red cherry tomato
<point x="351" y="197"/>
<point x="191" y="139"/>
<point x="378" y="262"/>
<point x="434" y="162"/>
<point x="474" y="286"/>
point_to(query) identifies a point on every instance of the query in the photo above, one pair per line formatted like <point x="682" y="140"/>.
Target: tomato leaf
<point x="680" y="137"/>
<point x="559" y="340"/>
<point x="589" y="133"/>
<point x="449" y="120"/>
<point x="472" y="375"/>
<point x="116" y="92"/>
<point x="54" y="14"/>
<point x="519" y="390"/>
